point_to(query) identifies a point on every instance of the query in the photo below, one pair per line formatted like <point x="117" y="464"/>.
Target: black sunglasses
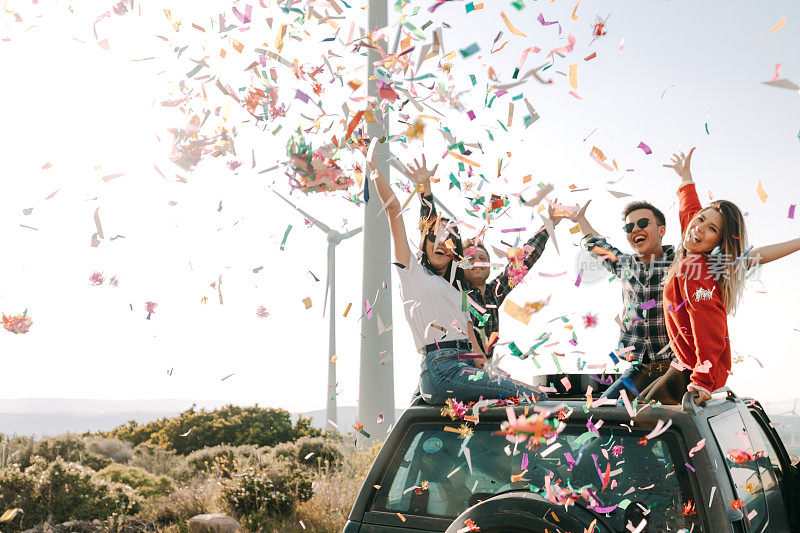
<point x="642" y="223"/>
<point x="431" y="236"/>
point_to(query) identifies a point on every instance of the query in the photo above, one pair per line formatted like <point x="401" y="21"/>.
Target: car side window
<point x="742" y="460"/>
<point x="774" y="459"/>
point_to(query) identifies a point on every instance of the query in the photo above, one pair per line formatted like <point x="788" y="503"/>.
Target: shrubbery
<point x="223" y="460"/>
<point x="266" y="492"/>
<point x="70" y="447"/>
<point x="193" y="430"/>
<point x="59" y="491"/>
<point x="146" y="484"/>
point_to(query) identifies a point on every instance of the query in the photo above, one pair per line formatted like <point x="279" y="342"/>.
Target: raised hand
<point x="421" y="174"/>
<point x="681" y="164"/>
<point x="580" y="214"/>
<point x="551" y="213"/>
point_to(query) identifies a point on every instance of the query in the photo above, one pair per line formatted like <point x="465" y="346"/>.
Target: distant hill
<point x="54" y="416"/>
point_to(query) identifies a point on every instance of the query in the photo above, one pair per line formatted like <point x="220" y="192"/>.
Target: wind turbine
<point x="334" y="238"/>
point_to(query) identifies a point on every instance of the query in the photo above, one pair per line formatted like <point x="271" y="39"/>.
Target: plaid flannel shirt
<point x="484" y="324"/>
<point x="644" y="329"/>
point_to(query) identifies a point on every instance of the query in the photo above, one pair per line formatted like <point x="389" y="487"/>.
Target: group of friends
<point x="679" y="342"/>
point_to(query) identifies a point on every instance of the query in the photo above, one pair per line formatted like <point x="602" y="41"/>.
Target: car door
<point x="744" y="470"/>
<point x="784" y="499"/>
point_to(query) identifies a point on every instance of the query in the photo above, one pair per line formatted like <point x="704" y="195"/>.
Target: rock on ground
<point x="213" y="523"/>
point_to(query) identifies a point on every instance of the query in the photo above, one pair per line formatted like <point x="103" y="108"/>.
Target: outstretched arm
<point x="402" y="252"/>
<point x="766" y="254"/>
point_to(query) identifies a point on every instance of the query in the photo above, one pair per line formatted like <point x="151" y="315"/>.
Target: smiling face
<point x="704" y="232"/>
<point x="645" y="241"/>
<point x="438" y="254"/>
<point x="478" y="275"/>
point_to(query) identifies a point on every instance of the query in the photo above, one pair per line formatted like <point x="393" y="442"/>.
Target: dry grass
<point x="335" y="492"/>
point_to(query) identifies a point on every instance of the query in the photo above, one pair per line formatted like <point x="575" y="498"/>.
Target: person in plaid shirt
<point x="642" y="274"/>
<point x="486" y="298"/>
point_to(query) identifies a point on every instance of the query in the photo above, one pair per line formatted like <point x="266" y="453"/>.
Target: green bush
<point x="327" y="452"/>
<point x="223" y="461"/>
<point x="59" y="491"/>
<point x="193" y="430"/>
<point x="146" y="484"/>
<point x="160" y="462"/>
<point x="70" y="447"/>
<point x="285" y="451"/>
<point x="266" y="492"/>
<point x="117" y="450"/>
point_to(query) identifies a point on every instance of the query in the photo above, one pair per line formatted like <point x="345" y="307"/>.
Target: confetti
<point x="646" y="149"/>
<point x="778" y="25"/>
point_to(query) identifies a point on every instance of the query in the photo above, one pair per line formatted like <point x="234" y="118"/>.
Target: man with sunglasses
<point x="643" y="325"/>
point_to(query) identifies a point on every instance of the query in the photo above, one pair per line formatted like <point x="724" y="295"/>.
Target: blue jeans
<point x="638" y="376"/>
<point x="444" y="376"/>
<point x="617" y="387"/>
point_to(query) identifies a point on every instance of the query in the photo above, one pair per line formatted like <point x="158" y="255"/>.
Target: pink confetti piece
<point x="368" y="307"/>
<point x="524" y="464"/>
<point x="777" y="72"/>
<point x="578" y="281"/>
<point x="246" y="18"/>
<point x="576" y="95"/>
<point x="690" y="467"/>
<point x="564" y="49"/>
<point x="512" y="230"/>
<point x="791" y="211"/>
<point x="565" y="381"/>
<point x="603" y="510"/>
<point x="645" y="148"/>
<point x="600" y="162"/>
<point x="471" y="114"/>
<point x="699" y="446"/>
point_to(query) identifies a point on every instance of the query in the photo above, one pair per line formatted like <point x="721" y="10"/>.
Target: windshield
<point x="439" y="473"/>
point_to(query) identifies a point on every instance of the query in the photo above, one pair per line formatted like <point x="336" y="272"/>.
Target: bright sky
<point x="662" y="72"/>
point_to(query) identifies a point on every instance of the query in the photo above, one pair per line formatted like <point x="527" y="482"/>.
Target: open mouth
<point x="693" y="236"/>
<point x="639" y="239"/>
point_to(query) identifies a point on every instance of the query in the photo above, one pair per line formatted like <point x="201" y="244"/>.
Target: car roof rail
<point x="688" y="405"/>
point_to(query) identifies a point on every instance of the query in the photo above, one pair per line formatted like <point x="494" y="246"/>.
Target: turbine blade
<point x="352" y="232"/>
<point x="317" y="222"/>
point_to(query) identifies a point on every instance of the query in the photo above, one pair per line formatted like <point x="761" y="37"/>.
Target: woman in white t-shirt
<point x="433" y="292"/>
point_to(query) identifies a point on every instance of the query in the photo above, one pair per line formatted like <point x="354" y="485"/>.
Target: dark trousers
<point x="669" y="388"/>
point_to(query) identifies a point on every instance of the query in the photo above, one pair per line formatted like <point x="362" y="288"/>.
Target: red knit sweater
<point x="698" y="331"/>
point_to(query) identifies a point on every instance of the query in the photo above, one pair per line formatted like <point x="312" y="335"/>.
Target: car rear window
<point x="438" y="473"/>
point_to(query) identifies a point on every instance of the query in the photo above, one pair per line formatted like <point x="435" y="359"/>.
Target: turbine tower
<point x="376" y="373"/>
<point x="334" y="238"/>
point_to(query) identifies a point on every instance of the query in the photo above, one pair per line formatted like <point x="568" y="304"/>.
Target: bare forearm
<point x="765" y="254"/>
<point x="385" y="192"/>
<point x="586" y="228"/>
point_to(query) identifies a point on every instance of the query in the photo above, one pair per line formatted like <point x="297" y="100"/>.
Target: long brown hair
<point x="732" y="245"/>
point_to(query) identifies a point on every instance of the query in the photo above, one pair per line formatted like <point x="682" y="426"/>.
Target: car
<point x="638" y="468"/>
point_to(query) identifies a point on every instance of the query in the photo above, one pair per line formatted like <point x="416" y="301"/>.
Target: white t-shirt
<point x="431" y="303"/>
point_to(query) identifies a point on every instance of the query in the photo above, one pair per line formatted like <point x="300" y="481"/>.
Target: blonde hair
<point x="732" y="246"/>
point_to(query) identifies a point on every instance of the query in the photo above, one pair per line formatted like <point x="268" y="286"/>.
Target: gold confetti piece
<point x="761" y="192"/>
<point x="575" y="11"/>
<point x="10" y="514"/>
<point x="573" y="75"/>
<point x="575" y="229"/>
<point x="463" y="159"/>
<point x="775" y="28"/>
<point x="510" y="26"/>
<point x="334" y="358"/>
<point x="307" y="302"/>
<point x="349" y="305"/>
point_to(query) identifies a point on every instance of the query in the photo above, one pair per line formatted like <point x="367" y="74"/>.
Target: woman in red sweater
<point x="702" y="286"/>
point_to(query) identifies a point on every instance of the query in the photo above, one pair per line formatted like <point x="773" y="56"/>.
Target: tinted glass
<point x="614" y="472"/>
<point x="736" y="446"/>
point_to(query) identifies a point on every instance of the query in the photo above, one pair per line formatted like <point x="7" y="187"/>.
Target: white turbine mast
<point x="334" y="238"/>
